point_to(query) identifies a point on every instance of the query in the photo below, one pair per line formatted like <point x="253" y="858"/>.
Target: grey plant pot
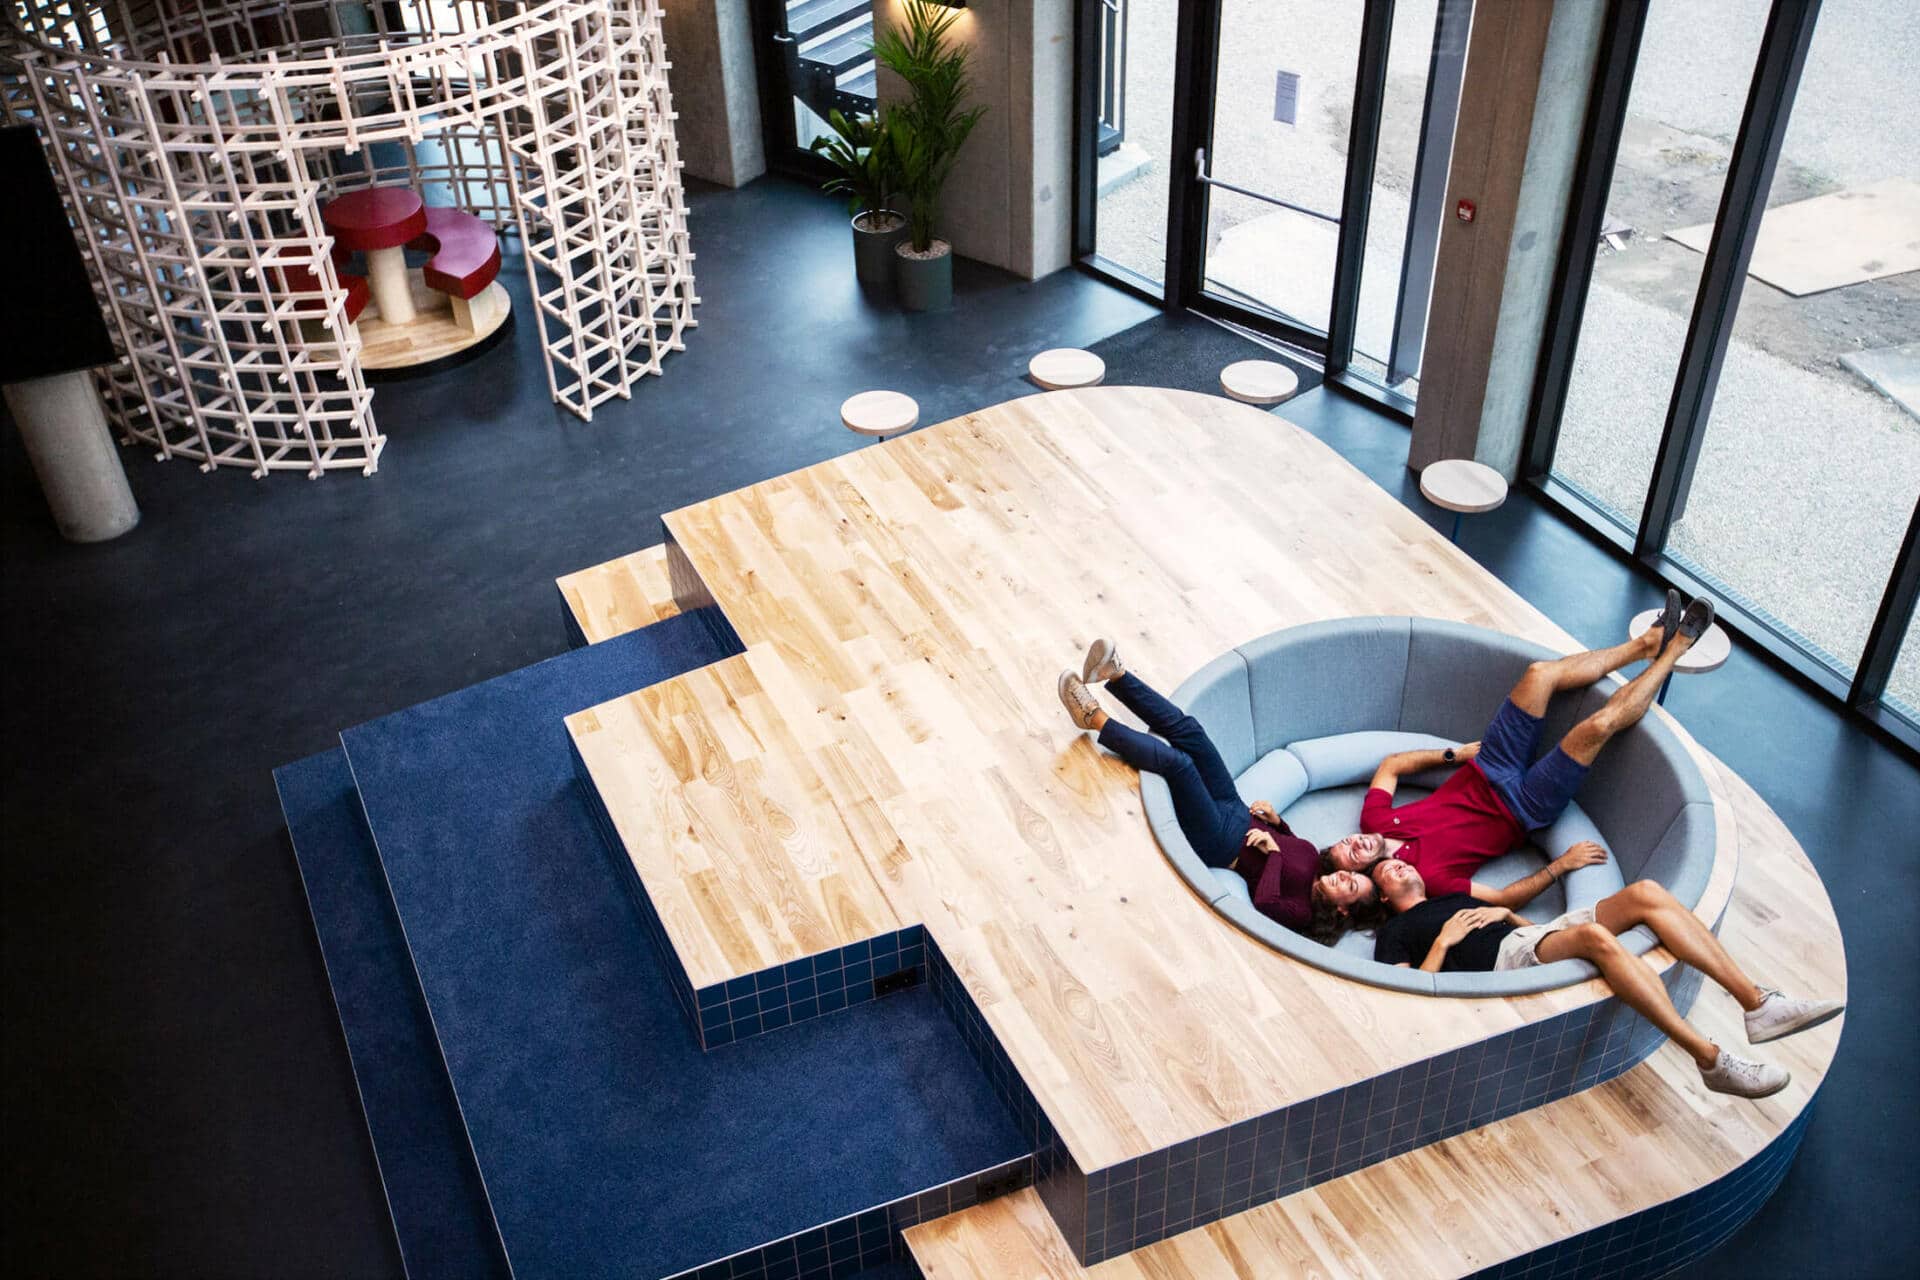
<point x="923" y="284"/>
<point x="873" y="249"/>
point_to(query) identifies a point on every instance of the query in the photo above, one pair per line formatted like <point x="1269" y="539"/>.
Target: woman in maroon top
<point x="1284" y="873"/>
<point x="1500" y="792"/>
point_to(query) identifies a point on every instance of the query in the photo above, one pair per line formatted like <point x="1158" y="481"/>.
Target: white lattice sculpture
<point x="197" y="141"/>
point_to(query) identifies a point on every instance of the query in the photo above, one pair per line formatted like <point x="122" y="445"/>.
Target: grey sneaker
<point x="1698" y="617"/>
<point x="1078" y="700"/>
<point x="1781" y="1015"/>
<point x="1744" y="1078"/>
<point x="1103" y="662"/>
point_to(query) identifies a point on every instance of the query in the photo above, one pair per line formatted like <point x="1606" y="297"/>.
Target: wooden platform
<point x="889" y="752"/>
<point x="1638" y="1143"/>
<point x="619" y="596"/>
<point x="433" y="334"/>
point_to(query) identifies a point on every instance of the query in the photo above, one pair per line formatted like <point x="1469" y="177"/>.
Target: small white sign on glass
<point x="1286" y="97"/>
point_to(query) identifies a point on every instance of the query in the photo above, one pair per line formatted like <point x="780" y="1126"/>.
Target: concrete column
<point x="1009" y="201"/>
<point x="716" y="92"/>
<point x="64" y="427"/>
<point x="1529" y="70"/>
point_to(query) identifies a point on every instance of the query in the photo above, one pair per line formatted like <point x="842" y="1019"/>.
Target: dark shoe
<point x="1698" y="617"/>
<point x="1669" y="622"/>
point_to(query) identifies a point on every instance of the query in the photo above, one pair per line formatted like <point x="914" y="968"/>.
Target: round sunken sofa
<point x="1304" y="716"/>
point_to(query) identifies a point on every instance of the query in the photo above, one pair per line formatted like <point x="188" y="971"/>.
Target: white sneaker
<point x="1103" y="662"/>
<point x="1744" y="1078"/>
<point x="1078" y="700"/>
<point x="1781" y="1015"/>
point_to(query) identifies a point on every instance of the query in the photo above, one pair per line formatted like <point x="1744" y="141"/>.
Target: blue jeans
<point x="1208" y="806"/>
<point x="1534" y="791"/>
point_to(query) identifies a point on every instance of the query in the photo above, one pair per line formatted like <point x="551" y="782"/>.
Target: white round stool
<point x="879" y="413"/>
<point x="1262" y="382"/>
<point x="1064" y="368"/>
<point x="1709" y="653"/>
<point x="1464" y="487"/>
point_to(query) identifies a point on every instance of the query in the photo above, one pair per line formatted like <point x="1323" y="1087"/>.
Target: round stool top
<point x="1066" y="367"/>
<point x="1461" y="484"/>
<point x="1709" y="653"/>
<point x="879" y="413"/>
<point x="1259" y="381"/>
<point x="376" y="218"/>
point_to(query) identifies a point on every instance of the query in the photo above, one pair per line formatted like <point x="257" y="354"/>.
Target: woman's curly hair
<point x="1326" y="922"/>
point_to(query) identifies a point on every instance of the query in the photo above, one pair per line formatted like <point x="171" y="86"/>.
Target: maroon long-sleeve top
<point x="1281" y="883"/>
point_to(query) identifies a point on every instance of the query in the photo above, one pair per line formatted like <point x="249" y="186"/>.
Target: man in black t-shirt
<point x="1459" y="934"/>
<point x="1467" y="932"/>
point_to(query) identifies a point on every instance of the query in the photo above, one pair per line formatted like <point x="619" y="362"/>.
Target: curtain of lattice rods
<point x="197" y="142"/>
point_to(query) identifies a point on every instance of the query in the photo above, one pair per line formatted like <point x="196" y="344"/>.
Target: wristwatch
<point x="1449" y="755"/>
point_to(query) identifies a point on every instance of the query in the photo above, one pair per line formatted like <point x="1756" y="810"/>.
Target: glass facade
<point x="1683" y="113"/>
<point x="1807" y="474"/>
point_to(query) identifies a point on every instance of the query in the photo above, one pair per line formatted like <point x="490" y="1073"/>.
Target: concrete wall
<point x="715" y="92"/>
<point x="1010" y="199"/>
<point x="1529" y="68"/>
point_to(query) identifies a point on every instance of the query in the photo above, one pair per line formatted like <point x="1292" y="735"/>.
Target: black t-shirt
<point x="1409" y="936"/>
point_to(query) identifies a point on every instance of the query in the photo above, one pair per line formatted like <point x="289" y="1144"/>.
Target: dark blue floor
<point x="439" y="1206"/>
<point x="610" y="1145"/>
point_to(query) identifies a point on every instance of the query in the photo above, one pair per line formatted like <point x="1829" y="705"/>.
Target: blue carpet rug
<point x="608" y="1142"/>
<point x="433" y="1190"/>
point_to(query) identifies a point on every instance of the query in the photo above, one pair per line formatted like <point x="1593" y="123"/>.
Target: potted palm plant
<point x="862" y="151"/>
<point x="925" y="133"/>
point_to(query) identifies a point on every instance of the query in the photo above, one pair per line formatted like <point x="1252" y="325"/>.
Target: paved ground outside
<point x="1809" y="475"/>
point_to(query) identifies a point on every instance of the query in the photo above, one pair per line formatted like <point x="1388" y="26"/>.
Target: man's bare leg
<point x="1628" y="705"/>
<point x="1578" y="670"/>
<point x="1647" y="902"/>
<point x="1632" y="980"/>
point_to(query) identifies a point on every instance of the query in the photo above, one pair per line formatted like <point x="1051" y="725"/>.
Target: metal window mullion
<point x="1196" y="67"/>
<point x="1426" y="203"/>
<point x="1890" y="624"/>
<point x="1363" y="142"/>
<point x="1086" y="126"/>
<point x="1756" y="152"/>
<point x="1586" y="215"/>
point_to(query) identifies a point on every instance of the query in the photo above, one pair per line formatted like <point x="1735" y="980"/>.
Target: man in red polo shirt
<point x="1487" y="807"/>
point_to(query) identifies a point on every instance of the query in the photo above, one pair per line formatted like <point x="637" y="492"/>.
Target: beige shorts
<point x="1520" y="948"/>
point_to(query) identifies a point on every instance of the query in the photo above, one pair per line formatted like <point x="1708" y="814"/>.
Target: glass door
<point x="1273" y="166"/>
<point x="1281" y="164"/>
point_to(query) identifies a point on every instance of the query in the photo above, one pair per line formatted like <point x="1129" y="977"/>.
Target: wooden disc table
<point x="1261" y="382"/>
<point x="1709" y="653"/>
<point x="1063" y="368"/>
<point x="1464" y="487"/>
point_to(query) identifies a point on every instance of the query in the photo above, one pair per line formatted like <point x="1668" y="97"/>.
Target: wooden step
<point x="619" y="596"/>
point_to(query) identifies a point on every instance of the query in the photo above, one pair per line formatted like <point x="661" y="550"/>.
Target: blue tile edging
<point x="1127" y="1206"/>
<point x="1660" y="1240"/>
<point x="772" y="998"/>
<point x="869" y="1238"/>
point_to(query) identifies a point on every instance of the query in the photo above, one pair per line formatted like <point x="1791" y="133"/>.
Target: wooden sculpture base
<point x="443" y="327"/>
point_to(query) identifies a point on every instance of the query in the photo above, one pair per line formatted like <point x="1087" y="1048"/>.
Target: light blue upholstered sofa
<point x="1305" y="715"/>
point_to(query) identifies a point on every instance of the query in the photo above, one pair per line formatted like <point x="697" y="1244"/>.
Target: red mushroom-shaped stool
<point x="379" y="222"/>
<point x="466" y="258"/>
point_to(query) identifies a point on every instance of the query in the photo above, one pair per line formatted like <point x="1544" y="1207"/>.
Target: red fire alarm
<point x="1464" y="210"/>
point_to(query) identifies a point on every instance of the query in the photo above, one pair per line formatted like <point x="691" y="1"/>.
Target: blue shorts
<point x="1534" y="791"/>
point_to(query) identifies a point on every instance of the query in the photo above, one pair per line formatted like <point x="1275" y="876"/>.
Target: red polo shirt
<point x="1450" y="834"/>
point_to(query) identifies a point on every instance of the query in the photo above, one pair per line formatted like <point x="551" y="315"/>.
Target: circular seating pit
<point x="1305" y="715"/>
